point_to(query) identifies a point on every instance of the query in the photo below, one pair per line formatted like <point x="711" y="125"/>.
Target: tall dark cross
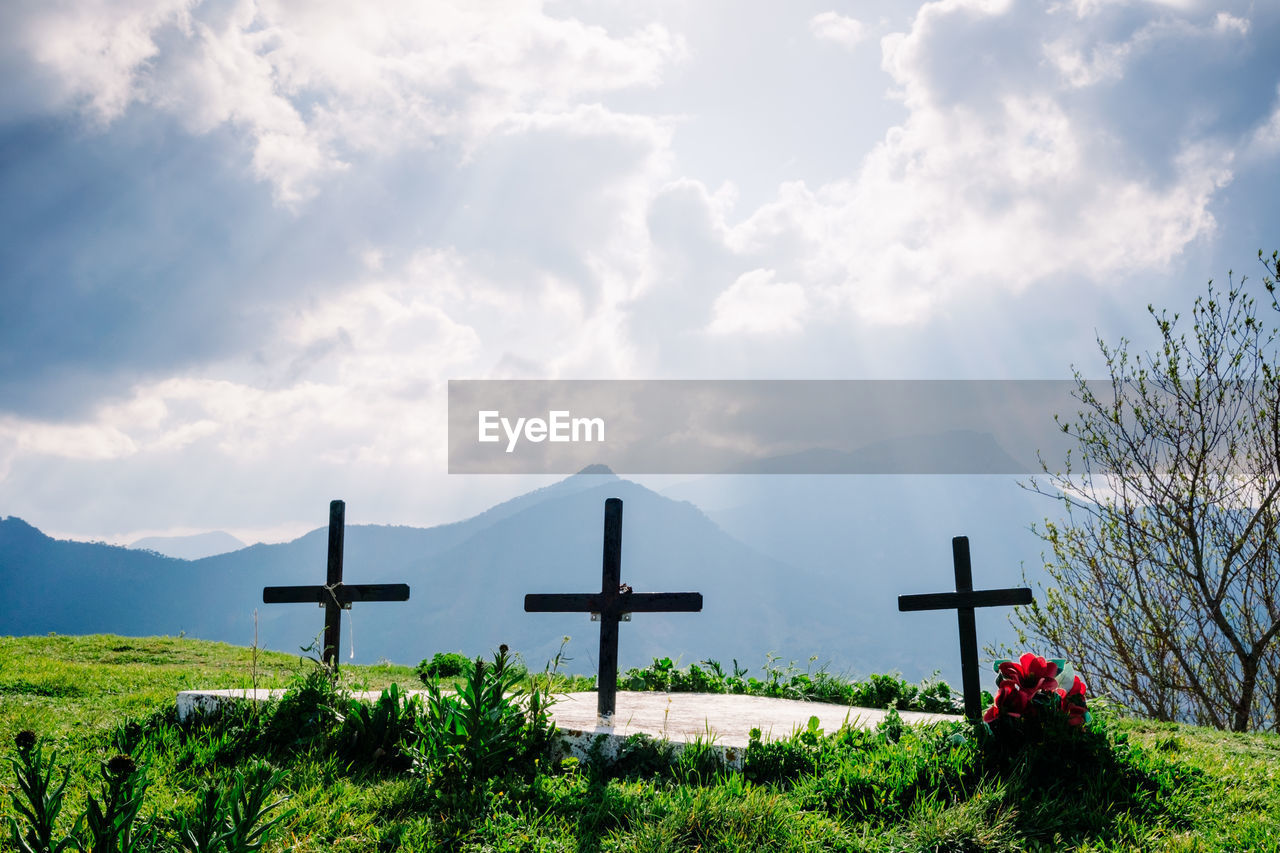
<point x="963" y="601"/>
<point x="614" y="603"/>
<point x="335" y="596"/>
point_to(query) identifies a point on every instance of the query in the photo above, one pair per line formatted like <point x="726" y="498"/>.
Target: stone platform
<point x="681" y="718"/>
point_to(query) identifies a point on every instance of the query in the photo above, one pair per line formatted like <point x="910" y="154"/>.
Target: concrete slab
<point x="681" y="718"/>
<point x="723" y="720"/>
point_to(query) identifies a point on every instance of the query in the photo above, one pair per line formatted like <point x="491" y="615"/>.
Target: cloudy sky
<point x="244" y="245"/>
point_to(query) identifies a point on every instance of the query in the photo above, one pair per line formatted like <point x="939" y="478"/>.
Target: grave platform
<point x="725" y="720"/>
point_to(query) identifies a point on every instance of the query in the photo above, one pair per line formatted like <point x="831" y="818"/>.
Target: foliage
<point x="306" y="713"/>
<point x="108" y="821"/>
<point x="443" y="665"/>
<point x="1164" y="570"/>
<point x="236" y="818"/>
<point x="43" y="798"/>
<point x="373" y="731"/>
<point x="878" y="691"/>
<point x="483" y="732"/>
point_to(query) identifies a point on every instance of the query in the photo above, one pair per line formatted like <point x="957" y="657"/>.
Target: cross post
<point x="614" y="603"/>
<point x="963" y="601"/>
<point x="335" y="596"/>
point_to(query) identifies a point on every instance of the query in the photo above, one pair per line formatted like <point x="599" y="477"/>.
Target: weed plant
<point x="443" y="665"/>
<point x="789" y="682"/>
<point x="41" y="801"/>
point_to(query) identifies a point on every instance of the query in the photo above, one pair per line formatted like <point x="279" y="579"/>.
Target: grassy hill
<point x="1169" y="787"/>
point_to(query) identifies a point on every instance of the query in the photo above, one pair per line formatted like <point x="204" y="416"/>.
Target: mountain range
<point x="790" y="565"/>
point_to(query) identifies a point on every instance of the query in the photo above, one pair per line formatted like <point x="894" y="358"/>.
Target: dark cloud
<point x="113" y="263"/>
<point x="142" y="251"/>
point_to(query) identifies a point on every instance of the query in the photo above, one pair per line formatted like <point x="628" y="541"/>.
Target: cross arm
<point x="562" y="602"/>
<point x="345" y="593"/>
<point x="631" y="602"/>
<point x="661" y="602"/>
<point x="957" y="600"/>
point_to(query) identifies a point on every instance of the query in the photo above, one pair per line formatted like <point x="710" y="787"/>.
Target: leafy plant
<point x="107" y="824"/>
<point x="237" y="818"/>
<point x="374" y="731"/>
<point x="43" y="798"/>
<point x="443" y="665"/>
<point x="790" y="682"/>
<point x="699" y="763"/>
<point x="205" y="829"/>
<point x="484" y="731"/>
<point x="306" y="713"/>
<point x="891" y="726"/>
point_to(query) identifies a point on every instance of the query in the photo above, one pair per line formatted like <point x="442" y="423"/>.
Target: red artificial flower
<point x="1031" y="673"/>
<point x="1072" y="701"/>
<point x="1010" y="702"/>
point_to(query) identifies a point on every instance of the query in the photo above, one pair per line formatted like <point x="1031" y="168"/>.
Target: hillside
<point x="92" y="696"/>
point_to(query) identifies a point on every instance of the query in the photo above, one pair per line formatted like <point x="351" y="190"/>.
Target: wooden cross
<point x="335" y="596"/>
<point x="963" y="601"/>
<point x="614" y="603"/>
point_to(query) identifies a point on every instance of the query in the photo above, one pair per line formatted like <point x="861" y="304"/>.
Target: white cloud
<point x="1107" y="61"/>
<point x="837" y="28"/>
<point x="311" y="84"/>
<point x="1265" y="140"/>
<point x="1225" y="22"/>
<point x="99" y="50"/>
<point x="993" y="193"/>
<point x="68" y="441"/>
<point x="755" y="304"/>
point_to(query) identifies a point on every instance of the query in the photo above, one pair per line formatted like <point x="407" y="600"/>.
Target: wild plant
<point x="700" y="763"/>
<point x="236" y="818"/>
<point x="107" y="824"/>
<point x="374" y="731"/>
<point x="43" y="798"/>
<point x="306" y="713"/>
<point x="443" y="665"/>
<point x="485" y="730"/>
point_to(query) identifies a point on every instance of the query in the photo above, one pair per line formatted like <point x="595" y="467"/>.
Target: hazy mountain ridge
<point x="193" y="547"/>
<point x="468" y="580"/>
<point x="792" y="565"/>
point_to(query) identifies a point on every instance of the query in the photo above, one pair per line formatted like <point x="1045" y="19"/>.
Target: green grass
<point x="1162" y="786"/>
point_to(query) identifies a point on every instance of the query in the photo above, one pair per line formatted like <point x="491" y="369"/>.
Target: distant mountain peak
<point x="193" y="547"/>
<point x="596" y="470"/>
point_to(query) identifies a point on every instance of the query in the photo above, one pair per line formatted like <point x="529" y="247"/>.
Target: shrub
<point x="306" y="713"/>
<point x="443" y="665"/>
<point x="778" y="761"/>
<point x="374" y="732"/>
<point x="484" y="731"/>
<point x="884" y="691"/>
<point x="788" y="682"/>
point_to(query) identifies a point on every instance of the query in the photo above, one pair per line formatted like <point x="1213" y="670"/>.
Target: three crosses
<point x="615" y="602"/>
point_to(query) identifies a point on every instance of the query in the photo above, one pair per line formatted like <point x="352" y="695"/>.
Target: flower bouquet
<point x="1028" y="694"/>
